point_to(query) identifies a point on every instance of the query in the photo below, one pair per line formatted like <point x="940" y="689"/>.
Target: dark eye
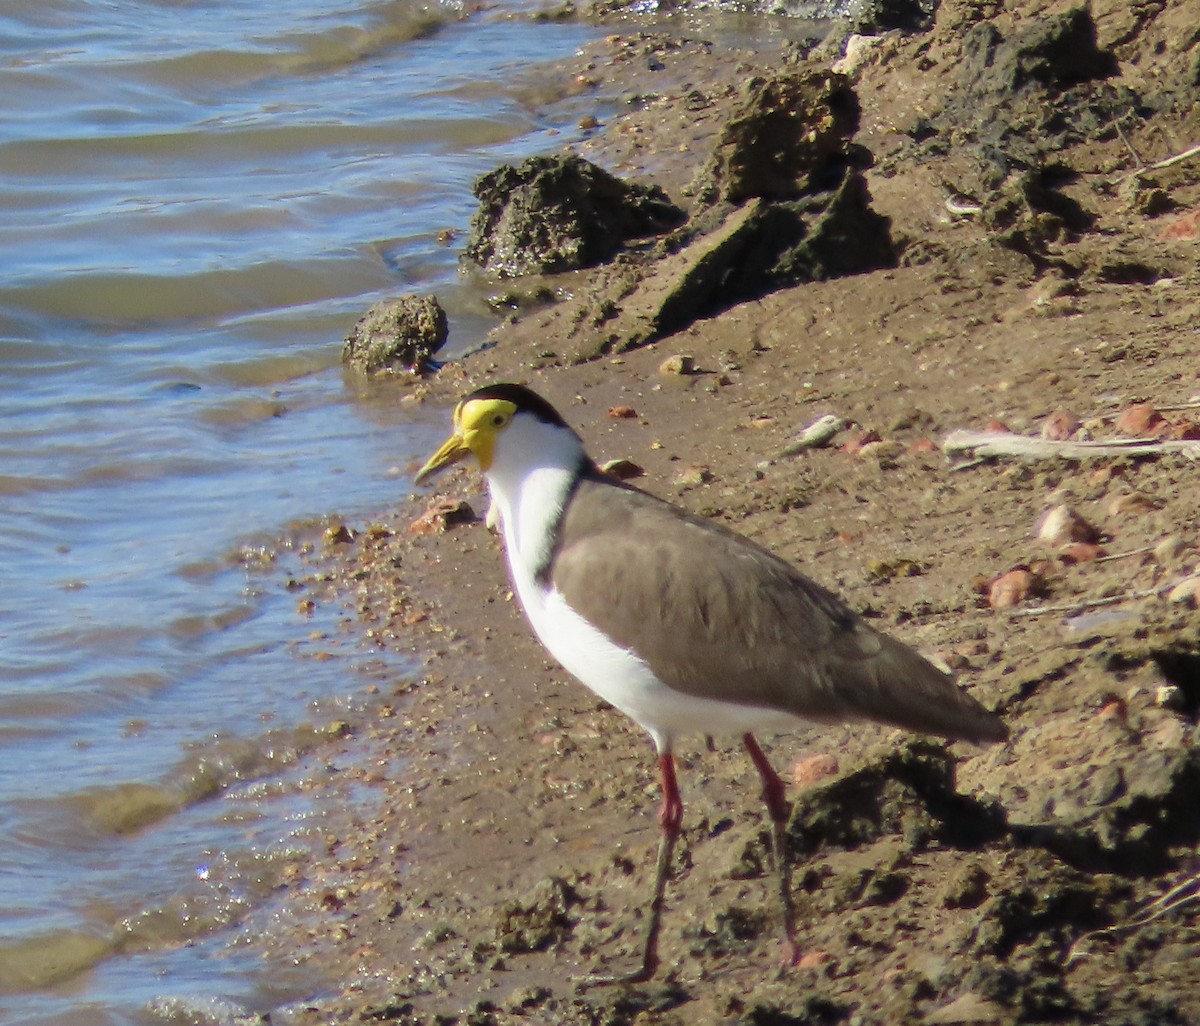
<point x="499" y="420"/>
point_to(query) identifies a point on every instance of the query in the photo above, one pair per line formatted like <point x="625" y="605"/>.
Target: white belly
<point x="623" y="679"/>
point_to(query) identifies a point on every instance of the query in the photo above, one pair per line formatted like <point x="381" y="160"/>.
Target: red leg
<point x="670" y="817"/>
<point x="775" y="796"/>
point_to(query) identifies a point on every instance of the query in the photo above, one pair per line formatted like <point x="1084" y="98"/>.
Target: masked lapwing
<point x="681" y="624"/>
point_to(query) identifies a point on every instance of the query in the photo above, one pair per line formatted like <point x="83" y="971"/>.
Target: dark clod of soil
<point x="560" y="213"/>
<point x="907" y="791"/>
<point x="790" y="138"/>
<point x="397" y="334"/>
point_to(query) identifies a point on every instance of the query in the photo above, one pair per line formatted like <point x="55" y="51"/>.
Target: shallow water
<point x="196" y="202"/>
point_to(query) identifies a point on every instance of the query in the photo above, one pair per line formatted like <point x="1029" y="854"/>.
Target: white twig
<point x="1125" y="555"/>
<point x="1177" y="897"/>
<point x="1158" y="165"/>
<point x="1082" y="604"/>
<point x="1004" y="443"/>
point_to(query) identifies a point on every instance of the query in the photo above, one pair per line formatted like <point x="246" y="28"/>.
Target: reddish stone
<point x="1060" y="426"/>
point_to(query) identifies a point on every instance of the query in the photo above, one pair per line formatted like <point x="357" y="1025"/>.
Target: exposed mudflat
<point x="1039" y="283"/>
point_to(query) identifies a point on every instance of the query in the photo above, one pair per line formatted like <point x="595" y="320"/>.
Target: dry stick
<point x="1082" y="604"/>
<point x="1177" y="897"/>
<point x="1004" y="443"/>
<point x="1128" y="145"/>
<point x="1113" y="411"/>
<point x="1125" y="555"/>
<point x="1160" y="164"/>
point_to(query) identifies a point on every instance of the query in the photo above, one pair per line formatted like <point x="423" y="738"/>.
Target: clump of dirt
<point x="791" y="136"/>
<point x="536" y="922"/>
<point x="560" y="213"/>
<point x="907" y="791"/>
<point x="401" y="334"/>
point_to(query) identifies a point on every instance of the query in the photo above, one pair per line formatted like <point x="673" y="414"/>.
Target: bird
<point x="681" y="623"/>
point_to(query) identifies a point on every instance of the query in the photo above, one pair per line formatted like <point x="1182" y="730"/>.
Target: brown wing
<point x="717" y="616"/>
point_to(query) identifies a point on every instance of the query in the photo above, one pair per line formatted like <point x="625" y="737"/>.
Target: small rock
<point x="968" y="1008"/>
<point x="1079" y="552"/>
<point x="694" y="476"/>
<point x="1061" y="525"/>
<point x="966" y="888"/>
<point x="888" y="569"/>
<point x="442" y="515"/>
<point x="953" y="661"/>
<point x="1184" y="431"/>
<point x="814" y="769"/>
<point x="1140" y="420"/>
<point x="1170" y="549"/>
<point x="538" y="920"/>
<point x="1060" y="426"/>
<point x="1186" y="227"/>
<point x="1011" y="589"/>
<point x="885" y="453"/>
<point x="859" y="438"/>
<point x="397" y="335"/>
<point x="1130" y="504"/>
<point x="557" y="213"/>
<point x="1186" y="591"/>
<point x="338" y="534"/>
<point x="1169" y="696"/>
<point x="678" y="365"/>
<point x="814" y="960"/>
<point x="622" y="469"/>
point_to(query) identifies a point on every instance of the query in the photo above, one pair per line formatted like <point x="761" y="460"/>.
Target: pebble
<point x="338" y="534"/>
<point x="1061" y="525"/>
<point x="1169" y="696"/>
<point x="809" y="772"/>
<point x="677" y="365"/>
<point x="1186" y="591"/>
<point x="441" y="515"/>
<point x="1140" y="419"/>
<point x="622" y="469"/>
<point x="859" y="439"/>
<point x="1169" y="550"/>
<point x="1060" y="426"/>
<point x="694" y="476"/>
<point x="1079" y="552"/>
<point x="1010" y="589"/>
<point x="1130" y="504"/>
<point x="814" y="960"/>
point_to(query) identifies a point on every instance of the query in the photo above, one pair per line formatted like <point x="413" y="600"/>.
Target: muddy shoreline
<point x="1037" y="279"/>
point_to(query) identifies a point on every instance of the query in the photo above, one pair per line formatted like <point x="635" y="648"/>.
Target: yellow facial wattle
<point x="477" y="422"/>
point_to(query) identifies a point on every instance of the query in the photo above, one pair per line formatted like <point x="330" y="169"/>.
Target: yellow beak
<point x="453" y="450"/>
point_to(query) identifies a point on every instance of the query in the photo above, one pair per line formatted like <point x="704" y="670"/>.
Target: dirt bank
<point x="1038" y="282"/>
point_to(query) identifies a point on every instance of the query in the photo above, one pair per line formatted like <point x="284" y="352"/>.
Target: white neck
<point x="533" y="471"/>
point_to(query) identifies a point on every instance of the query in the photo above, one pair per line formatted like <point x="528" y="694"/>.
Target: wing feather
<point x="718" y="617"/>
